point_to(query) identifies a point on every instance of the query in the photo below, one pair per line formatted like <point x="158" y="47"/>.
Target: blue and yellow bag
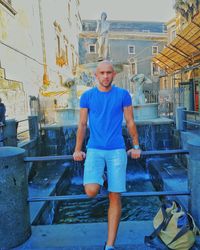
<point x="174" y="226"/>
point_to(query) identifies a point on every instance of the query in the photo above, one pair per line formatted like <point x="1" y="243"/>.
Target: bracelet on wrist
<point x="136" y="147"/>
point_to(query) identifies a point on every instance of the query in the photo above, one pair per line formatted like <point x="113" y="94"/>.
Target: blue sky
<point x="135" y="10"/>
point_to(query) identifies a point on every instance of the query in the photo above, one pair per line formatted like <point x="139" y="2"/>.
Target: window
<point x="61" y="79"/>
<point x="69" y="13"/>
<point x="92" y="48"/>
<point x="173" y="34"/>
<point x="155" y="70"/>
<point x="58" y="45"/>
<point x="133" y="65"/>
<point x="154" y="50"/>
<point x="134" y="68"/>
<point x="131" y="49"/>
<point x="66" y="55"/>
<point x="73" y="60"/>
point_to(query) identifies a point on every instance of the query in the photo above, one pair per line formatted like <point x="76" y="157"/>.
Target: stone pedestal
<point x="10" y="133"/>
<point x="15" y="226"/>
<point x="194" y="178"/>
<point x="145" y="111"/>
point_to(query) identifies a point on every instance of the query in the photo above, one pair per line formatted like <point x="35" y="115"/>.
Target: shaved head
<point x="105" y="62"/>
<point x="105" y="74"/>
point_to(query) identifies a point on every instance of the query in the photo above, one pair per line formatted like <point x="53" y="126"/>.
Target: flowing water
<point x="95" y="210"/>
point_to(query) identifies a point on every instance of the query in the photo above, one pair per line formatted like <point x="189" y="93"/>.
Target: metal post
<point x="10" y="133"/>
<point x="180" y="118"/>
<point x="15" y="226"/>
<point x="193" y="176"/>
<point x="33" y="127"/>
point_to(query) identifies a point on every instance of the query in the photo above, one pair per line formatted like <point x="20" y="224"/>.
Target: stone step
<point x="90" y="236"/>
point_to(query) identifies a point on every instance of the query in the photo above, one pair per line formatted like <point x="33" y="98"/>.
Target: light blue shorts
<point x="114" y="160"/>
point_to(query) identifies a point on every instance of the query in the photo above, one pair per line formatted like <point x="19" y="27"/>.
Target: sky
<point x="133" y="10"/>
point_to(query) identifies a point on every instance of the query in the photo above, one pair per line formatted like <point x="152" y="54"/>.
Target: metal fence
<point x="126" y="194"/>
<point x="22" y="127"/>
<point x="192" y="120"/>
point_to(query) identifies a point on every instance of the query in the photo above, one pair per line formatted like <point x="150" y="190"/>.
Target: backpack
<point x="174" y="226"/>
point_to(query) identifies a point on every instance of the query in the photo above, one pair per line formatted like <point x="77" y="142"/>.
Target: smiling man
<point x="105" y="105"/>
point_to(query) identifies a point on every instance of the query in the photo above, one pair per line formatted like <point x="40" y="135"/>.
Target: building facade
<point x="131" y="45"/>
<point x="180" y="59"/>
<point x="38" y="51"/>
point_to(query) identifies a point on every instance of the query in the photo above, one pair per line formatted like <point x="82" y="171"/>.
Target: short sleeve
<point x="127" y="101"/>
<point x="84" y="101"/>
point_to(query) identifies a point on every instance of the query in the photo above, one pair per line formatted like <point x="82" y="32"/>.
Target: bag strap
<point x="183" y="231"/>
<point x="162" y="226"/>
<point x="190" y="226"/>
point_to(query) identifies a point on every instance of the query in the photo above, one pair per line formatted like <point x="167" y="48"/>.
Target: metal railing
<point x="191" y="118"/>
<point x="23" y="133"/>
<point x="2" y="137"/>
<point x="70" y="157"/>
<point x="126" y="194"/>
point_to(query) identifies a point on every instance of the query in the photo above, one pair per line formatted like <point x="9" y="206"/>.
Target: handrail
<point x="21" y="132"/>
<point x="126" y="194"/>
<point x="23" y="120"/>
<point x="192" y="123"/>
<point x="70" y="157"/>
<point x="192" y="112"/>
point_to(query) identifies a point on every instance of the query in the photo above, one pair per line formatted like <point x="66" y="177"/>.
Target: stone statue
<point x="139" y="80"/>
<point x="102" y="30"/>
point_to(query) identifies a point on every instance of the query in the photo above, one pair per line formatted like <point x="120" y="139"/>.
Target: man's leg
<point x="92" y="189"/>
<point x="93" y="172"/>
<point x="114" y="214"/>
<point x="116" y="161"/>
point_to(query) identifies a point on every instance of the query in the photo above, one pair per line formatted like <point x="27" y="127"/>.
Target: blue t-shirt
<point x="105" y="111"/>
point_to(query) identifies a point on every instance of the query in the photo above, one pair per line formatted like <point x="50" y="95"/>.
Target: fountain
<point x="69" y="115"/>
<point x="142" y="110"/>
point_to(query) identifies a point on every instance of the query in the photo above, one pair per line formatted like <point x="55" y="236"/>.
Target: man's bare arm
<point x="82" y="126"/>
<point x="128" y="115"/>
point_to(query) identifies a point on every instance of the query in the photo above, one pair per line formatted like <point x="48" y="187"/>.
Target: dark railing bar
<point x="165" y="152"/>
<point x="128" y="194"/>
<point x="48" y="158"/>
<point x="70" y="157"/>
<point x="23" y="120"/>
<point x="21" y="132"/>
<point x="193" y="123"/>
<point x="192" y="112"/>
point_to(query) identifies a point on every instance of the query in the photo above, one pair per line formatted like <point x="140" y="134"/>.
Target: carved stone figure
<point x="102" y="30"/>
<point x="139" y="80"/>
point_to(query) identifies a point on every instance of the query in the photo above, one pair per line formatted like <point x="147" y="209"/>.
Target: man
<point x="2" y="112"/>
<point x="105" y="105"/>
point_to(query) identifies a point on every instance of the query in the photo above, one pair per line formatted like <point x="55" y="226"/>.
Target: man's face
<point x="105" y="75"/>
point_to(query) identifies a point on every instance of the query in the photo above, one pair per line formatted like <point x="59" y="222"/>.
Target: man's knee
<point x="92" y="189"/>
<point x="115" y="197"/>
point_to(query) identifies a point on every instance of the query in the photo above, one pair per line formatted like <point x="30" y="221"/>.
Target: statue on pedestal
<point x="102" y="30"/>
<point x="139" y="80"/>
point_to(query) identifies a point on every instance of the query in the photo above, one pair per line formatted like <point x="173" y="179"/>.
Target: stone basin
<point x="67" y="116"/>
<point x="145" y="111"/>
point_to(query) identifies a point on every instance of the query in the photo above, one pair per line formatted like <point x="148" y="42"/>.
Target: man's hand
<point x="134" y="153"/>
<point x="79" y="156"/>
